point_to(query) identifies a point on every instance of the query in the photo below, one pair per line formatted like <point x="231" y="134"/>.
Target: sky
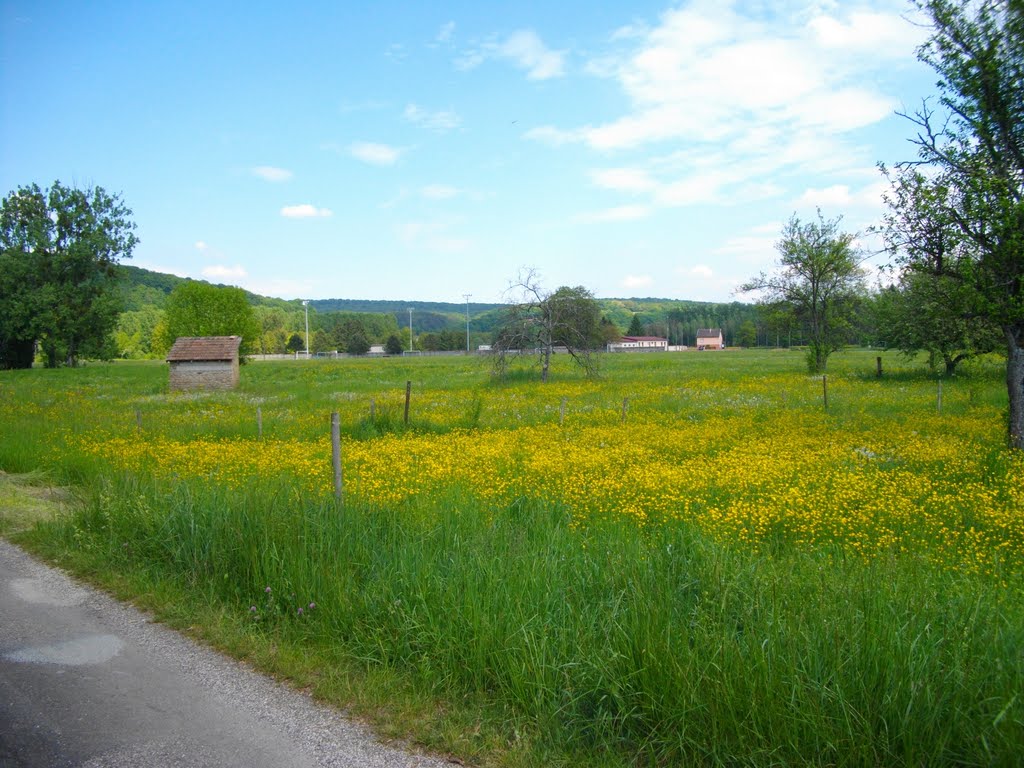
<point x="424" y="151"/>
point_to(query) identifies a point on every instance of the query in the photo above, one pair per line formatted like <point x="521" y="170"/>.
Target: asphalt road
<point x="87" y="681"/>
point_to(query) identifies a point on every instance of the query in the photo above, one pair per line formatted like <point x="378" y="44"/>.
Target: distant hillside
<point x="676" y="319"/>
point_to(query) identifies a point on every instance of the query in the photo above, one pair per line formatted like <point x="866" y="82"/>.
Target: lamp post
<point x="410" y="330"/>
<point x="305" y="303"/>
<point x="466" y="297"/>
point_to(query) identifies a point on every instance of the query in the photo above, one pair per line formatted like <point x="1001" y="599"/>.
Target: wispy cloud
<point x="223" y="272"/>
<point x="375" y="154"/>
<point x="752" y="97"/>
<point x="524" y="49"/>
<point x="305" y="211"/>
<point x="444" y="34"/>
<point x="439" y="121"/>
<point x="435" y="236"/>
<point x="270" y="173"/>
<point x="623" y="179"/>
<point x="439" y="192"/>
<point x="618" y="213"/>
<point x="633" y="282"/>
<point x="201" y="246"/>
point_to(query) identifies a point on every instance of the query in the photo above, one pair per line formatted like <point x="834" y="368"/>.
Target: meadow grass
<point x="730" y="575"/>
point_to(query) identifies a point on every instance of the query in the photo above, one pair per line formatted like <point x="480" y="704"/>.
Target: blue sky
<point x="428" y="150"/>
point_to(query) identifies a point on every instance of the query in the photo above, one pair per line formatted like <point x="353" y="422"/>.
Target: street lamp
<point x="466" y="297"/>
<point x="410" y="330"/>
<point x="305" y="303"/>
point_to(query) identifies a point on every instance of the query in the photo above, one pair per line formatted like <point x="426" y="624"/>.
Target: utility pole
<point x="305" y="303"/>
<point x="466" y="297"/>
<point x="410" y="329"/>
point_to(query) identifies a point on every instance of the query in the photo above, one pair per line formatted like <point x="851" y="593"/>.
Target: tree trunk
<point x="1015" y="382"/>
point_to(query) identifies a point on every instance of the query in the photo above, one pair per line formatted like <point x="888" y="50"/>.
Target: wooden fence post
<point x="336" y="454"/>
<point x="938" y="400"/>
<point x="259" y="422"/>
<point x="625" y="408"/>
<point x="878" y="366"/>
<point x="373" y="411"/>
<point x="824" y="388"/>
<point x="408" y="394"/>
<point x="561" y="412"/>
<point x="138" y="420"/>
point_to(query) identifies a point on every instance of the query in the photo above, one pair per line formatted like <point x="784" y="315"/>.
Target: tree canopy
<point x="58" y="251"/>
<point x="819" y="280"/>
<point x="958" y="210"/>
<point x="199" y="309"/>
<point x="569" y="318"/>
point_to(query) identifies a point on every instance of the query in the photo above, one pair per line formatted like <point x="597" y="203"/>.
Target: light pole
<point x="466" y="297"/>
<point x="410" y="330"/>
<point x="305" y="303"/>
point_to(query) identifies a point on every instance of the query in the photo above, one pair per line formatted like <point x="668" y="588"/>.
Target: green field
<point x="689" y="561"/>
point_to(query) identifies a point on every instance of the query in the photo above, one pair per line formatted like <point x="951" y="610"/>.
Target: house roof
<point x="709" y="331"/>
<point x="193" y="348"/>
<point x="644" y="338"/>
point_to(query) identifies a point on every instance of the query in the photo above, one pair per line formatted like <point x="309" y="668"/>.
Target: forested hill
<point x="146" y="292"/>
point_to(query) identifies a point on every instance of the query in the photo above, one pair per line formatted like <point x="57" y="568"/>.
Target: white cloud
<point x="444" y="34"/>
<point x="842" y="197"/>
<point x="637" y="281"/>
<point x="440" y="121"/>
<point x="528" y="52"/>
<point x="618" y="213"/>
<point x="702" y="271"/>
<point x="753" y="97"/>
<point x="524" y="49"/>
<point x="305" y="211"/>
<point x="222" y="272"/>
<point x="623" y="179"/>
<point x="375" y="154"/>
<point x="881" y="33"/>
<point x="270" y="173"/>
<point x="201" y="246"/>
<point x="438" y="192"/>
<point x="434" y="236"/>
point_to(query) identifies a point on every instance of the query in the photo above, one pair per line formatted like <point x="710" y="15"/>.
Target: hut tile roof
<point x="194" y="348"/>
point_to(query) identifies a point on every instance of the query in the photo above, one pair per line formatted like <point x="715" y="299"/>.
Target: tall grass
<point x="605" y="643"/>
<point x="663" y="647"/>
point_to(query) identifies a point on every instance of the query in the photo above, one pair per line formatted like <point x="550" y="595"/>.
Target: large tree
<point x="58" y="251"/>
<point x="196" y="308"/>
<point x="819" y="280"/>
<point x="969" y="176"/>
<point x="538" y="321"/>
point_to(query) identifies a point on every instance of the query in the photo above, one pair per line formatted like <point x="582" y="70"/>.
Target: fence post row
<point x="408" y="394"/>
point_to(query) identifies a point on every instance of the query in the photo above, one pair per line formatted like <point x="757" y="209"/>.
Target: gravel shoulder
<point x="88" y="681"/>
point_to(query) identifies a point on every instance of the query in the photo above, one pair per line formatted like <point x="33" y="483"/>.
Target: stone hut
<point x="204" y="362"/>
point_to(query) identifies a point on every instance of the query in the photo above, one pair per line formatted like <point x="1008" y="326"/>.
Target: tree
<point x="358" y="344"/>
<point x="974" y="189"/>
<point x="58" y="254"/>
<point x="820" y="279"/>
<point x="295" y="343"/>
<point x="393" y="346"/>
<point x="540" y="321"/>
<point x="636" y="328"/>
<point x="747" y="334"/>
<point x="931" y="313"/>
<point x="608" y="331"/>
<point x="199" y="309"/>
